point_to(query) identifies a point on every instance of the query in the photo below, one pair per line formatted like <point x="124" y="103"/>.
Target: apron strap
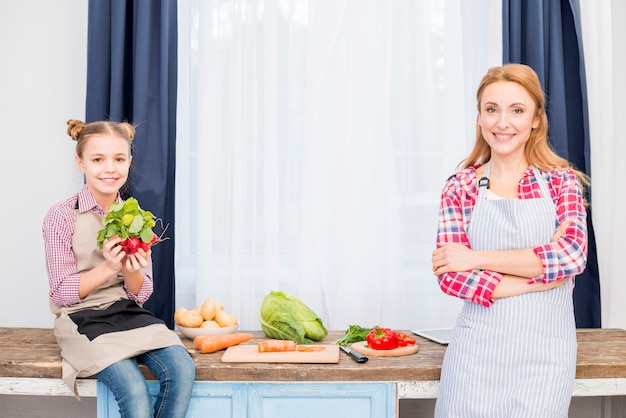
<point x="483" y="183"/>
<point x="542" y="183"/>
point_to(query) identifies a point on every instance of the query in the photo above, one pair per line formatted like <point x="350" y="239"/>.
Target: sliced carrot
<point x="212" y="343"/>
<point x="310" y="348"/>
<point x="273" y="346"/>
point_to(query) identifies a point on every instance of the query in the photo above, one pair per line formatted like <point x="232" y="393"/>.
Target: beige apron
<point x="83" y="357"/>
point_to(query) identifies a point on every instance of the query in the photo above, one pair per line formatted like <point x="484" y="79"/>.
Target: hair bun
<point x="129" y="129"/>
<point x="74" y="128"/>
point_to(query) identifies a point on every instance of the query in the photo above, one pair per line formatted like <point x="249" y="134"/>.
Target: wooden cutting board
<point x="361" y="347"/>
<point x="249" y="353"/>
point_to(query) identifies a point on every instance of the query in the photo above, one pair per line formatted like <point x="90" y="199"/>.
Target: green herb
<point x="354" y="334"/>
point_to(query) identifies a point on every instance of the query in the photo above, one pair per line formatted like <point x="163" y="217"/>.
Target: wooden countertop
<point x="33" y="352"/>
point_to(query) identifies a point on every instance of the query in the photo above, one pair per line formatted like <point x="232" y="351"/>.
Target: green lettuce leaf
<point x="285" y="317"/>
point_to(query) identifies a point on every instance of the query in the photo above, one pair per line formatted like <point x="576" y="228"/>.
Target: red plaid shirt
<point x="58" y="229"/>
<point x="565" y="258"/>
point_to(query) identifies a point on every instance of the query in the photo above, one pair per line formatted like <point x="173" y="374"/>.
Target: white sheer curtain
<point x="314" y="138"/>
<point x="604" y="32"/>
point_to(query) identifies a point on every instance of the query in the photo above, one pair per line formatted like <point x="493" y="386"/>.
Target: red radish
<point x="133" y="244"/>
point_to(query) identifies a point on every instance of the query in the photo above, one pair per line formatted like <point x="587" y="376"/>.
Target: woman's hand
<point x="560" y="230"/>
<point x="514" y="286"/>
<point x="453" y="257"/>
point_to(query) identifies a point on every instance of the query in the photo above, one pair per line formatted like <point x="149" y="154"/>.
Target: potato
<point x="210" y="324"/>
<point x="177" y="314"/>
<point x="218" y="305"/>
<point x="191" y="319"/>
<point x="225" y="319"/>
<point x="209" y="309"/>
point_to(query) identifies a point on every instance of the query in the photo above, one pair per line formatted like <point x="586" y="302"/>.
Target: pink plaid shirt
<point x="58" y="229"/>
<point x="565" y="258"/>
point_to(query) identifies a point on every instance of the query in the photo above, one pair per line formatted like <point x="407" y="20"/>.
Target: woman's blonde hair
<point x="80" y="131"/>
<point x="537" y="151"/>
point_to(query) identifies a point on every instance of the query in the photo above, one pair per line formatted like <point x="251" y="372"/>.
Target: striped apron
<point x="516" y="358"/>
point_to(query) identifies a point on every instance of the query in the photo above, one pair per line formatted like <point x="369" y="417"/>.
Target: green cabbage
<point x="285" y="317"/>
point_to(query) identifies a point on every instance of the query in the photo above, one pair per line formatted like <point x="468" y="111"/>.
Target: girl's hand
<point x="113" y="253"/>
<point x="452" y="257"/>
<point x="135" y="262"/>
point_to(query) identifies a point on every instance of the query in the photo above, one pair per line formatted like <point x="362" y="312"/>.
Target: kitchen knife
<point x="356" y="356"/>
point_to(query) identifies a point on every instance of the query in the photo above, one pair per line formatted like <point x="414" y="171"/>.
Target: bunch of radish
<point x="132" y="244"/>
<point x="131" y="223"/>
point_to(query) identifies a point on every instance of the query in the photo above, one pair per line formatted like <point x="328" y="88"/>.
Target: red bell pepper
<point x="382" y="339"/>
<point x="404" y="340"/>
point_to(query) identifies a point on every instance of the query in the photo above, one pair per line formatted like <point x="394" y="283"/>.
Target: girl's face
<point x="105" y="163"/>
<point x="507" y="116"/>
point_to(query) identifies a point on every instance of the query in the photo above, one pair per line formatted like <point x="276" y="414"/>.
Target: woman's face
<point x="105" y="163"/>
<point x="507" y="116"/>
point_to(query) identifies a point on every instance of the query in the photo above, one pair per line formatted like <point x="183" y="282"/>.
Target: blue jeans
<point x="176" y="372"/>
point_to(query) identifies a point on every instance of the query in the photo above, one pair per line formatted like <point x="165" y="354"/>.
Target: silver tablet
<point x="438" y="335"/>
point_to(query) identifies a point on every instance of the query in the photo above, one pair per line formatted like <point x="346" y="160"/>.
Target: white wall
<point x="43" y="51"/>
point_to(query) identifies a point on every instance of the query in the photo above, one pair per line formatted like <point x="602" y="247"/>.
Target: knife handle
<point x="356" y="356"/>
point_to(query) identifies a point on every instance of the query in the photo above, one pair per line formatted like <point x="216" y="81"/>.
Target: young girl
<point x="512" y="236"/>
<point x="97" y="294"/>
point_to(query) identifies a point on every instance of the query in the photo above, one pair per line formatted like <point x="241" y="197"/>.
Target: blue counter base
<point x="277" y="400"/>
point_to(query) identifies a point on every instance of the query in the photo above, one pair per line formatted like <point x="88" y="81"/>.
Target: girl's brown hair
<point x="80" y="131"/>
<point x="537" y="151"/>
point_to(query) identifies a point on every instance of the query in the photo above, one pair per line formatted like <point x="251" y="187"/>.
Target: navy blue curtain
<point x="131" y="76"/>
<point x="546" y="35"/>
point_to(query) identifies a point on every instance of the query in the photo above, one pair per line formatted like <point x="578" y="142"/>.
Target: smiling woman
<point x="498" y="250"/>
<point x="507" y="116"/>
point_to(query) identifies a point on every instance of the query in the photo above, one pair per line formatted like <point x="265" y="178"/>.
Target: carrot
<point x="273" y="346"/>
<point x="310" y="348"/>
<point x="212" y="343"/>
